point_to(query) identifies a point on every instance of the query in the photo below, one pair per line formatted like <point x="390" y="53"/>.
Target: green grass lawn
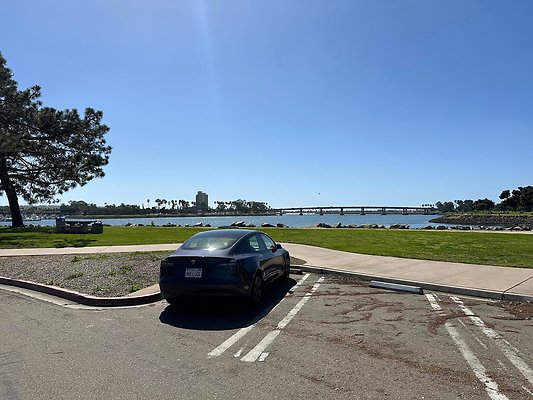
<point x="514" y="250"/>
<point x="112" y="236"/>
<point x="492" y="248"/>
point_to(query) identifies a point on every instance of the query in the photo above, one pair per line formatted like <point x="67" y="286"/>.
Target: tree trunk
<point x="12" y="198"/>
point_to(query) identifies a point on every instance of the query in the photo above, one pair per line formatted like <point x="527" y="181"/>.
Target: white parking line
<point x="491" y="387"/>
<point x="258" y="351"/>
<point x="238" y="354"/>
<point x="508" y="350"/>
<point x="218" y="351"/>
<point x="481" y="343"/>
<point x="230" y="342"/>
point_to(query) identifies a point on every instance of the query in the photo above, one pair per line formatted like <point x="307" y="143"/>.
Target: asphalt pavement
<point x="314" y="336"/>
<point x="502" y="283"/>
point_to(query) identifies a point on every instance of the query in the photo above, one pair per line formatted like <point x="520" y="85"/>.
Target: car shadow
<point x="216" y="314"/>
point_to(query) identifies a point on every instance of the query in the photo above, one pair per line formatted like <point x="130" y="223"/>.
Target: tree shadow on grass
<point x="13" y="238"/>
<point x="26" y="230"/>
<point x="214" y="314"/>
<point x="33" y="236"/>
<point x="73" y="242"/>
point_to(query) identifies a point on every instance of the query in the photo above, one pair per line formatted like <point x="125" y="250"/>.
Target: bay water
<point x="415" y="221"/>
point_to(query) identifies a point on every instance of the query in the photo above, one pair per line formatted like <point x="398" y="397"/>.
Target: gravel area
<point x="102" y="275"/>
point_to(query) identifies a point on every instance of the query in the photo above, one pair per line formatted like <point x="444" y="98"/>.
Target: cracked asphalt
<point x="314" y="337"/>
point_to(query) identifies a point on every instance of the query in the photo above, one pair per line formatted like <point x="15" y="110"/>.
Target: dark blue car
<point x="225" y="262"/>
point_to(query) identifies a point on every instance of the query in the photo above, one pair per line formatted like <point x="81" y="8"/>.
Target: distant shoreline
<point x="190" y="215"/>
<point x="507" y="221"/>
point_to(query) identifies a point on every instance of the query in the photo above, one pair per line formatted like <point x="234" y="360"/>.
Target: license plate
<point x="193" y="272"/>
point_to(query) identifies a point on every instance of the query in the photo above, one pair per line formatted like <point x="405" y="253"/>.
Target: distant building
<point x="201" y="201"/>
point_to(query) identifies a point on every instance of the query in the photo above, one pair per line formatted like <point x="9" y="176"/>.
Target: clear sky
<point x="295" y="103"/>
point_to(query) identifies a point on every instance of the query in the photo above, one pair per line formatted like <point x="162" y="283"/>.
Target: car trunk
<point x="197" y="268"/>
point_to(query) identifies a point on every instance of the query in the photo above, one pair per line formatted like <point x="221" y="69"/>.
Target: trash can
<point x="60" y="225"/>
<point x="97" y="227"/>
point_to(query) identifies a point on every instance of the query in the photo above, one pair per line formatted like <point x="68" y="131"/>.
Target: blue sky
<point x="295" y="103"/>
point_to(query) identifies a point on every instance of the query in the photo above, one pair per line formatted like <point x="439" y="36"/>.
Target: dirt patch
<point x="522" y="310"/>
<point x="346" y="279"/>
<point x="440" y="320"/>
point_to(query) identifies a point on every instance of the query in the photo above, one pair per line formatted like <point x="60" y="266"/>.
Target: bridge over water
<point x="362" y="210"/>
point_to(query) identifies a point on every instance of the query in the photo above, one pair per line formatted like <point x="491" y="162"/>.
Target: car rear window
<point x="208" y="243"/>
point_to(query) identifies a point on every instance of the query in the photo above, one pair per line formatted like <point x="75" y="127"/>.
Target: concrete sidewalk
<point x="87" y="250"/>
<point x="504" y="283"/>
<point x="476" y="280"/>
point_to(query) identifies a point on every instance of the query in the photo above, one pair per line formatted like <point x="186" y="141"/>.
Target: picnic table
<point x="78" y="226"/>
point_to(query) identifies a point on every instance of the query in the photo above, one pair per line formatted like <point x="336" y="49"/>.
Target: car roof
<point x="233" y="233"/>
<point x="236" y="234"/>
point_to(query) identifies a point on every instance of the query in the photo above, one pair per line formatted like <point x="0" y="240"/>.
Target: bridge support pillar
<point x="301" y="213"/>
<point x="383" y="211"/>
<point x="280" y="212"/>
<point x="404" y="211"/>
<point x="362" y="211"/>
<point x="321" y="212"/>
<point x="342" y="211"/>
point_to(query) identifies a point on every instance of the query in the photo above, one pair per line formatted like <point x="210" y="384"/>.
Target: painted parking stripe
<point x="474" y="336"/>
<point x="230" y="342"/>
<point x="491" y="387"/>
<point x="507" y="349"/>
<point x="218" y="351"/>
<point x="258" y="352"/>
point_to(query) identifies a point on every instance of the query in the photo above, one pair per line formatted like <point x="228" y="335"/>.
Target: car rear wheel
<point x="256" y="293"/>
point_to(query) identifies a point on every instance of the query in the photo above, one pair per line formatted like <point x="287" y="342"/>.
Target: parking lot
<point x="315" y="336"/>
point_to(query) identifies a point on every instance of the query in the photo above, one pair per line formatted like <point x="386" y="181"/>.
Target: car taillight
<point x="166" y="266"/>
<point x="230" y="265"/>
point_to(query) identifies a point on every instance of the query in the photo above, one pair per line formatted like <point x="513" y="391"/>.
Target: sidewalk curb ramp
<point x="84" y="299"/>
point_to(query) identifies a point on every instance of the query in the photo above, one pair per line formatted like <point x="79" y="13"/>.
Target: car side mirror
<point x="278" y="246"/>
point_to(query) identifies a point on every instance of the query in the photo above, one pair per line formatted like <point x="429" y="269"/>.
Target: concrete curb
<point x="517" y="297"/>
<point x="153" y="297"/>
<point x="424" y="285"/>
<point x="83" y="298"/>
